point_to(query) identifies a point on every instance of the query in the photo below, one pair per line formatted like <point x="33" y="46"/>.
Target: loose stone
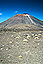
<point x="36" y="38"/>
<point x="10" y="42"/>
<point x="38" y="43"/>
<point x="39" y="34"/>
<point x="17" y="37"/>
<point x="36" y="35"/>
<point x="7" y="49"/>
<point x="25" y="40"/>
<point x="20" y="56"/>
<point x="1" y="48"/>
<point x="2" y="45"/>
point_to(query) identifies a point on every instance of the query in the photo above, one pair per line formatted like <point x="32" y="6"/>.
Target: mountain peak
<point x="23" y="18"/>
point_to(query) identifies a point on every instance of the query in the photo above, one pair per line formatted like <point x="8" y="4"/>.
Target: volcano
<point x="21" y="40"/>
<point x="20" y="20"/>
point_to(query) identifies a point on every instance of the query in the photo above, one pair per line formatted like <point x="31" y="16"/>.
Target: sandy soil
<point x="24" y="47"/>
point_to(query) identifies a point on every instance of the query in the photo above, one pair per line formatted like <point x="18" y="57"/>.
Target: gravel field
<point x="24" y="47"/>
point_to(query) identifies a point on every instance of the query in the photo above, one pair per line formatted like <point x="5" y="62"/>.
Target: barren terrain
<point x="21" y="46"/>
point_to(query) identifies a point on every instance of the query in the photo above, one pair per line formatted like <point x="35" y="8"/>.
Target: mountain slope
<point x="21" y="19"/>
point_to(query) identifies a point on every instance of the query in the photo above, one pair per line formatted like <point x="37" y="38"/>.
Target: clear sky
<point x="9" y="8"/>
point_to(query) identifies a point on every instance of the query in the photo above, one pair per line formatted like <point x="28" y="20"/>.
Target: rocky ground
<point x="21" y="44"/>
<point x="24" y="47"/>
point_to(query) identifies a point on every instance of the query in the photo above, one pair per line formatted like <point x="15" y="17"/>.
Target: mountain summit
<point x="21" y="19"/>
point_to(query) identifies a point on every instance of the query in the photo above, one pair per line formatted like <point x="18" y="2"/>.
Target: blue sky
<point x="9" y="8"/>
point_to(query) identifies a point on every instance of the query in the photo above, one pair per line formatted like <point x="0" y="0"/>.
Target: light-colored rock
<point x="25" y="40"/>
<point x="36" y="35"/>
<point x="2" y="45"/>
<point x="12" y="45"/>
<point x="1" y="48"/>
<point x="20" y="56"/>
<point x="17" y="37"/>
<point x="10" y="42"/>
<point x="28" y="36"/>
<point x="11" y="35"/>
<point x="38" y="43"/>
<point x="39" y="34"/>
<point x="6" y="48"/>
<point x="36" y="38"/>
<point x="32" y="34"/>
<point x="8" y="38"/>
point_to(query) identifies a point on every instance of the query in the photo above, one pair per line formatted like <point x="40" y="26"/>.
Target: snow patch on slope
<point x="30" y="19"/>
